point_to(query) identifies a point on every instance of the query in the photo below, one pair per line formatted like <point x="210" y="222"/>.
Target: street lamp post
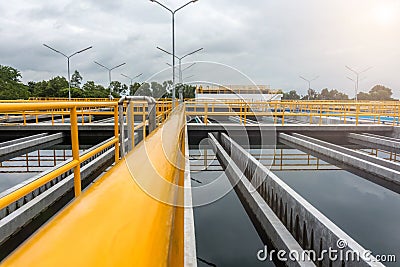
<point x="173" y="12"/>
<point x="309" y="84"/>
<point x="355" y="87"/>
<point x="180" y="67"/>
<point x="131" y="79"/>
<point x="68" y="59"/>
<point x="109" y="73"/>
<point x="188" y="67"/>
<point x="357" y="81"/>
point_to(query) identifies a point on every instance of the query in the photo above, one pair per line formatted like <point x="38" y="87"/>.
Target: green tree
<point x="11" y="86"/>
<point x="52" y="88"/>
<point x="188" y="90"/>
<point x="76" y="79"/>
<point x="291" y="95"/>
<point x="159" y="90"/>
<point x="311" y="95"/>
<point x="144" y="90"/>
<point x="91" y="90"/>
<point x="133" y="88"/>
<point x="75" y="92"/>
<point x="363" y="96"/>
<point x="380" y="92"/>
<point x="332" y="95"/>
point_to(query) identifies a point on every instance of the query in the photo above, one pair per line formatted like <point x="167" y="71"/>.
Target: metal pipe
<point x="152" y="117"/>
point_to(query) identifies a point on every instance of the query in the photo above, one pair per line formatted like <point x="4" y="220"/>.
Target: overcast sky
<point x="273" y="42"/>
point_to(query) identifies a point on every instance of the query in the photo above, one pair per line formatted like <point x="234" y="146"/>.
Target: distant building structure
<point x="250" y="93"/>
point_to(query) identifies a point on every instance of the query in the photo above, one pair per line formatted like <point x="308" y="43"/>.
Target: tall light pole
<point x="173" y="12"/>
<point x="355" y="87"/>
<point x="357" y="73"/>
<point x="188" y="67"/>
<point x="309" y="84"/>
<point x="68" y="59"/>
<point x="109" y="73"/>
<point x="180" y="66"/>
<point x="131" y="79"/>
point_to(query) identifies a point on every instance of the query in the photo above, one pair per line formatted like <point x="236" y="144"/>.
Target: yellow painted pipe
<point x="75" y="151"/>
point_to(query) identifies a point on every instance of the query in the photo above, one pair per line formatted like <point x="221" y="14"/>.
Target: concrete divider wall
<point x="396" y="132"/>
<point x="274" y="229"/>
<point x="29" y="142"/>
<point x="390" y="177"/>
<point x="310" y="227"/>
<point x="19" y="140"/>
<point x="351" y="152"/>
<point x="374" y="142"/>
<point x="328" y="120"/>
<point x="190" y="259"/>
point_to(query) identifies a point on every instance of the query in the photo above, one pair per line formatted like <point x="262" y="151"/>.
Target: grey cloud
<point x="271" y="41"/>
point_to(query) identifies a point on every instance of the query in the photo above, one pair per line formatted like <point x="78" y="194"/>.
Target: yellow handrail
<point x="77" y="159"/>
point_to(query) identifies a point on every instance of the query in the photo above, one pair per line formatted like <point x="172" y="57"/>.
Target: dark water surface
<point x="367" y="212"/>
<point x="225" y="235"/>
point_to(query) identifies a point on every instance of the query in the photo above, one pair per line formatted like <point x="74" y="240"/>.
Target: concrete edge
<point x="190" y="257"/>
<point x="280" y="237"/>
<point x="336" y="233"/>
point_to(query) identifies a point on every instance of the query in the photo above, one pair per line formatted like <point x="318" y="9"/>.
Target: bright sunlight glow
<point x="385" y="14"/>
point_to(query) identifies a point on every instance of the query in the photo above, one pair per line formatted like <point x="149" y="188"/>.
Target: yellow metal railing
<point x="276" y="159"/>
<point x="314" y="112"/>
<point x="371" y="112"/>
<point x="57" y="114"/>
<point x="72" y="99"/>
<point x="72" y="108"/>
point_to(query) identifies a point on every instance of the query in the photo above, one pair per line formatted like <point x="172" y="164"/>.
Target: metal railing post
<point x="75" y="151"/>
<point x="357" y="113"/>
<point x="116" y="133"/>
<point x="121" y="128"/>
<point x="130" y="121"/>
<point x="144" y="121"/>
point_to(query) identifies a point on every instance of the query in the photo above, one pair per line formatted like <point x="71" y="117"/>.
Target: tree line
<point x="11" y="87"/>
<point x="378" y="92"/>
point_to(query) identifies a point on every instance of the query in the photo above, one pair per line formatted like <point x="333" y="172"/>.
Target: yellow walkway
<point x="114" y="222"/>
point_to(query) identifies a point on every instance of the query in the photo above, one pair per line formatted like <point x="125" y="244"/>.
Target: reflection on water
<point x="368" y="213"/>
<point x="225" y="235"/>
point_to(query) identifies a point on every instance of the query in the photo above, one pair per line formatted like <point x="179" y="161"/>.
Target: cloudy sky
<point x="271" y="41"/>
